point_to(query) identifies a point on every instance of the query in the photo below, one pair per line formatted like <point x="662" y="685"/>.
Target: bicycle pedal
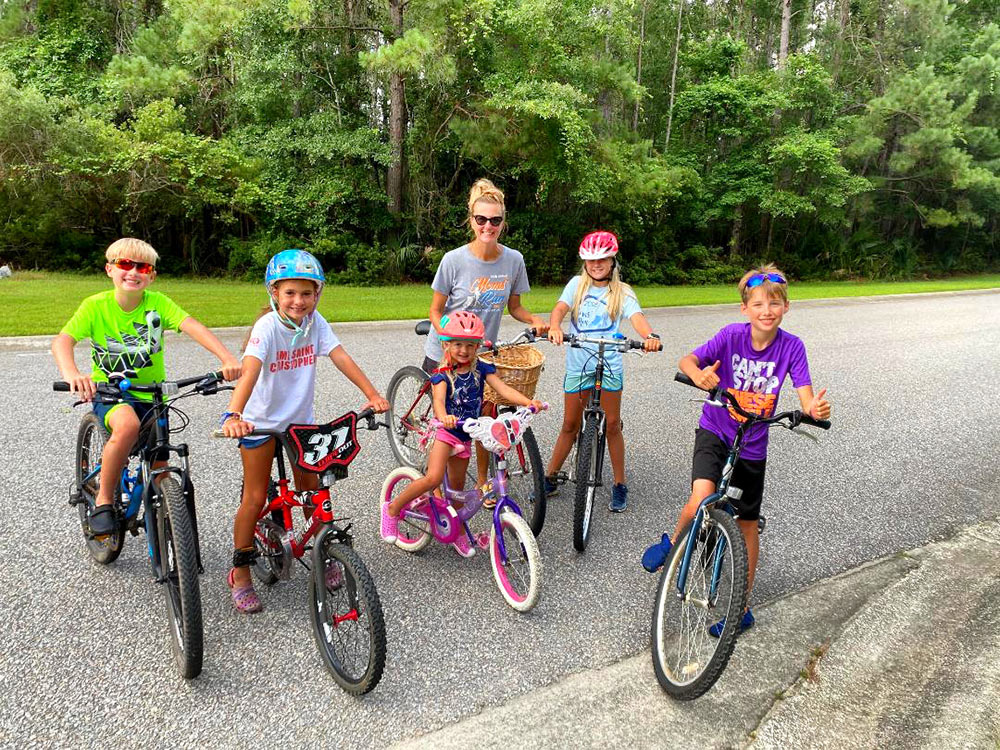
<point x="561" y="477"/>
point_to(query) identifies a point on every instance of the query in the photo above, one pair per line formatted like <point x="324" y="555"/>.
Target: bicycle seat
<point x="422" y="328"/>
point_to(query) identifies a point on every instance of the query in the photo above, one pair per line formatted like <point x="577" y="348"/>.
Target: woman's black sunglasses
<point x="493" y="220"/>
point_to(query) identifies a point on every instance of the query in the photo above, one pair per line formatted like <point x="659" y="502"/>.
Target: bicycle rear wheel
<point x="520" y="578"/>
<point x="410" y="409"/>
<point x="526" y="480"/>
<point x="586" y="483"/>
<point x="347" y="617"/>
<point x="89" y="448"/>
<point x="179" y="574"/>
<point x="686" y="659"/>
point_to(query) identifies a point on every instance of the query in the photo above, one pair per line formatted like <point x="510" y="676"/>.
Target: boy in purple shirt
<point x="751" y="361"/>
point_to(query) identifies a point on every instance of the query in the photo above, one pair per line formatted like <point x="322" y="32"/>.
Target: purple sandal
<point x="245" y="598"/>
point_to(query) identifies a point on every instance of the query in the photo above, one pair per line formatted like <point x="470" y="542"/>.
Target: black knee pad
<point x="244" y="557"/>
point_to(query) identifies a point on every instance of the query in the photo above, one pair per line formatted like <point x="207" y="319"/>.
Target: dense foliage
<point x="836" y="137"/>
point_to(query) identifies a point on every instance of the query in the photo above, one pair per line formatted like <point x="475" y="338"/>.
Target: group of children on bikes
<point x="473" y="285"/>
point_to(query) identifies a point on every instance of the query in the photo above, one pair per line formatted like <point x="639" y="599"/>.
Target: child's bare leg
<point x="256" y="474"/>
<point x="482" y="455"/>
<point x="700" y="489"/>
<point x="124" y="426"/>
<point x="437" y="461"/>
<point x="572" y="416"/>
<point x="612" y="403"/>
<point x="306" y="480"/>
<point x="752" y="536"/>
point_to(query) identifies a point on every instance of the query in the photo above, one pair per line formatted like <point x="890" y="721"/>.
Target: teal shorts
<point x="574" y="382"/>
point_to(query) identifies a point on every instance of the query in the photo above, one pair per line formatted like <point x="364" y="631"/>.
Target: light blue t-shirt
<point x="593" y="320"/>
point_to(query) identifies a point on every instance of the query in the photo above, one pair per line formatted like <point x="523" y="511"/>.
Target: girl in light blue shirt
<point x="598" y="301"/>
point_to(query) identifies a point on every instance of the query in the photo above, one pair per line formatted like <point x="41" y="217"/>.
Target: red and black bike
<point x="344" y="607"/>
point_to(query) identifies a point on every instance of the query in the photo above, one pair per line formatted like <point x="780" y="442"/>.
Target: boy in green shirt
<point x="125" y="327"/>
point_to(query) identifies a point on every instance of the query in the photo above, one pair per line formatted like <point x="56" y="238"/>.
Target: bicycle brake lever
<point x="803" y="433"/>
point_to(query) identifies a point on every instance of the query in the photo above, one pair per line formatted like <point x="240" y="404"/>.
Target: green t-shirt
<point x="122" y="340"/>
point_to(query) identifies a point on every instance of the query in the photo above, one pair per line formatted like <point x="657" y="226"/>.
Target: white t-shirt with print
<point x="286" y="388"/>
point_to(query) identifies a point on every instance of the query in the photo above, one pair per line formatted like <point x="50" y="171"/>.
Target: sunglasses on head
<point x="493" y="220"/>
<point x="760" y="278"/>
<point x="127" y="264"/>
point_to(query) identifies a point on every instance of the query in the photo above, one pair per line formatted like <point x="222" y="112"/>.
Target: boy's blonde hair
<point x="770" y="288"/>
<point x="484" y="190"/>
<point x="130" y="247"/>
<point x="617" y="291"/>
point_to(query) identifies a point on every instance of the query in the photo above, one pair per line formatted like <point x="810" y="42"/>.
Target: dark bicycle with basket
<point x="151" y="496"/>
<point x="344" y="607"/>
<point x="519" y="365"/>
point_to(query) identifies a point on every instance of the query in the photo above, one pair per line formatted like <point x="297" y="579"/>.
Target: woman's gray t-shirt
<point x="478" y="286"/>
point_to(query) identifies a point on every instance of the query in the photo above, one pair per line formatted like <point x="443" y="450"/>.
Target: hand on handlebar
<point x="231" y="368"/>
<point x="652" y="345"/>
<point x="706" y="378"/>
<point x="556" y="336"/>
<point x="377" y="403"/>
<point x="540" y="325"/>
<point x="83" y="385"/>
<point x="537" y="405"/>
<point x="236" y="428"/>
<point x="448" y="421"/>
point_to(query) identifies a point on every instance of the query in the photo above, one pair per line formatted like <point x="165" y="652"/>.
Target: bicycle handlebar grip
<point x="680" y="377"/>
<point x="633" y="344"/>
<point x="823" y="424"/>
<point x="60" y="385"/>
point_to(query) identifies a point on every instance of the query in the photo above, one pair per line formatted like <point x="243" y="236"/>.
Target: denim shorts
<point x="574" y="382"/>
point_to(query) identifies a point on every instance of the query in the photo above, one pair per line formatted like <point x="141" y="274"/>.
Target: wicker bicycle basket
<point x="518" y="366"/>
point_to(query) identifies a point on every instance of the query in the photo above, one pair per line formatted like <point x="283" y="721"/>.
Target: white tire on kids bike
<point x="520" y="578"/>
<point x="412" y="535"/>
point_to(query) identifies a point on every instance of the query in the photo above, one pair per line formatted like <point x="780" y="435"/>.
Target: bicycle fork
<point x="718" y="555"/>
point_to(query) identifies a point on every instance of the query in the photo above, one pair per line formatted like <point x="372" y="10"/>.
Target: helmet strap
<point x="300" y="331"/>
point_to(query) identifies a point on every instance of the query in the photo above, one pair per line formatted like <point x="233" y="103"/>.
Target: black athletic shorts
<point x="710" y="453"/>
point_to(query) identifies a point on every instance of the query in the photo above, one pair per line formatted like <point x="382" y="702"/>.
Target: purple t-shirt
<point x="754" y="377"/>
<point x="465" y="399"/>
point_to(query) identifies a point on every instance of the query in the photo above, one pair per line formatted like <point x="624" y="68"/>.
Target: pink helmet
<point x="462" y="325"/>
<point x="597" y="245"/>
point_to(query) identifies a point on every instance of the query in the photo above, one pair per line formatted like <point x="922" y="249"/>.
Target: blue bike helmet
<point x="294" y="264"/>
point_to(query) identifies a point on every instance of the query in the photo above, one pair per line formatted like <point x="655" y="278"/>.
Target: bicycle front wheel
<point x="90" y="442"/>
<point x="346" y="616"/>
<point x="179" y="574"/>
<point x="526" y="480"/>
<point x="410" y="410"/>
<point x="520" y="578"/>
<point x="586" y="483"/>
<point x="686" y="659"/>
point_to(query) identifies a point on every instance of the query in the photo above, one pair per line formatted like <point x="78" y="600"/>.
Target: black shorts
<point x="710" y="454"/>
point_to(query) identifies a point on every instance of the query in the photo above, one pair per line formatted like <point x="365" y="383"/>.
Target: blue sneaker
<point x="655" y="555"/>
<point x="619" y="498"/>
<point x="745" y="624"/>
<point x="551" y="487"/>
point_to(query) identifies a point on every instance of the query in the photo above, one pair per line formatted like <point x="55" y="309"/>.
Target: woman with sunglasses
<point x="481" y="277"/>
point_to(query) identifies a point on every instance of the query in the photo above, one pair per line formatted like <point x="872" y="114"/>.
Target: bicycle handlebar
<point x="795" y="417"/>
<point x="461" y="422"/>
<point x="206" y="385"/>
<point x="623" y="344"/>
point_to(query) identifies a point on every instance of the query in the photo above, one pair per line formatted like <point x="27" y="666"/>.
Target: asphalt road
<point x="86" y="656"/>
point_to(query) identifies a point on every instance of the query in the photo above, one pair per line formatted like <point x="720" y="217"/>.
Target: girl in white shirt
<point x="276" y="389"/>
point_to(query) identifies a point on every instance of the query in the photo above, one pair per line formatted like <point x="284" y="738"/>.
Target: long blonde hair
<point x="617" y="292"/>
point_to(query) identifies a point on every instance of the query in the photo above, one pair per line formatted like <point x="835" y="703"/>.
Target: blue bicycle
<point x="704" y="578"/>
<point x="159" y="500"/>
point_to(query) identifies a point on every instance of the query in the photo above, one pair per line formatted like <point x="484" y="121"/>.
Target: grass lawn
<point x="35" y="302"/>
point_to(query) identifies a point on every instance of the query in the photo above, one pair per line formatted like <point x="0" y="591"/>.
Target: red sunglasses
<point x="127" y="264"/>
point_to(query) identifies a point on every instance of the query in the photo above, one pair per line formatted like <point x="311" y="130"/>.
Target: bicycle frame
<point x="137" y="484"/>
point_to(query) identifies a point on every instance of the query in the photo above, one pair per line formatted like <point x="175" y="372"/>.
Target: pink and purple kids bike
<point x="513" y="551"/>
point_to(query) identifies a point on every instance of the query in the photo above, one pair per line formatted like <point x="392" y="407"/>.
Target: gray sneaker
<point x="619" y="498"/>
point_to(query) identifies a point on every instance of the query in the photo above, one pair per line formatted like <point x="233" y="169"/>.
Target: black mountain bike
<point x="587" y="462"/>
<point x="411" y="410"/>
<point x="159" y="501"/>
<point x="704" y="578"/>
